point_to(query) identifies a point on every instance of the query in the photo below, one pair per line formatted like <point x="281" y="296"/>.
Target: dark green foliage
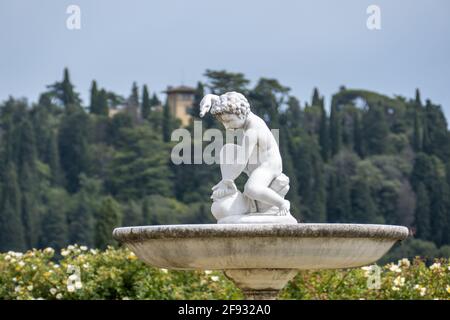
<point x="208" y="120"/>
<point x="132" y="213"/>
<point x="411" y="248"/>
<point x="324" y="137"/>
<point x="140" y="167"/>
<point x="166" y="123"/>
<point x="222" y="81"/>
<point x="81" y="216"/>
<point x="363" y="208"/>
<point x="288" y="156"/>
<point x="68" y="175"/>
<point x="429" y="171"/>
<point x="102" y="103"/>
<point x="134" y="97"/>
<point x="154" y="101"/>
<point x="339" y="206"/>
<point x="73" y="147"/>
<point x="12" y="233"/>
<point x="293" y="116"/>
<point x="418" y="130"/>
<point x="267" y="98"/>
<point x="54" y="160"/>
<point x="146" y="103"/>
<point x="335" y="130"/>
<point x="64" y="91"/>
<point x="423" y="221"/>
<point x="310" y="178"/>
<point x="357" y="134"/>
<point x="94" y="98"/>
<point x="375" y="131"/>
<point x="109" y="216"/>
<point x="436" y="136"/>
<point x="55" y="233"/>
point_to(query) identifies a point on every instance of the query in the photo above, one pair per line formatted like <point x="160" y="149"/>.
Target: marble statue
<point x="258" y="156"/>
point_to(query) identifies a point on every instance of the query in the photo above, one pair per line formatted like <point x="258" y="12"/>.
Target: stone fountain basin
<point x="260" y="246"/>
<point x="260" y="258"/>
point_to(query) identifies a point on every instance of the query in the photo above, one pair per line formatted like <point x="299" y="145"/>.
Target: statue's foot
<point x="285" y="208"/>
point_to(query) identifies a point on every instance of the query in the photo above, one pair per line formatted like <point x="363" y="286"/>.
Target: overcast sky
<point x="168" y="42"/>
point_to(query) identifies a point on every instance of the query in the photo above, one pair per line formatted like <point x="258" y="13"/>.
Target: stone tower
<point x="180" y="100"/>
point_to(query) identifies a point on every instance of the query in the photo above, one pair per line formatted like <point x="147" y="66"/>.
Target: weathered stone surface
<point x="260" y="258"/>
<point x="258" y="218"/>
<point x="132" y="234"/>
<point x="302" y="246"/>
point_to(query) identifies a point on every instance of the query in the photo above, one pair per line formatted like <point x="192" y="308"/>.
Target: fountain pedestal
<point x="261" y="284"/>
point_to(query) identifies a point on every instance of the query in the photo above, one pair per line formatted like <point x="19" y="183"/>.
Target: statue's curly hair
<point x="231" y="102"/>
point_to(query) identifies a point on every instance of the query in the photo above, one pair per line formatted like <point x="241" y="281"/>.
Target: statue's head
<point x="232" y="109"/>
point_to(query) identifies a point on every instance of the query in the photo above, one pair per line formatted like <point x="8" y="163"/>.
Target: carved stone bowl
<point x="260" y="258"/>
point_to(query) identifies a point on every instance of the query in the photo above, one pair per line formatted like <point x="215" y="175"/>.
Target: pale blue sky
<point x="301" y="43"/>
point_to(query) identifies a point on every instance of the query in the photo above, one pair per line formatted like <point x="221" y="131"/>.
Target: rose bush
<point x="77" y="272"/>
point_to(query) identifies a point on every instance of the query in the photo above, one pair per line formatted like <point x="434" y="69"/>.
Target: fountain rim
<point x="301" y="230"/>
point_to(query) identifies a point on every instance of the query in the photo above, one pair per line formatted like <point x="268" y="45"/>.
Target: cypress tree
<point x="132" y="214"/>
<point x="146" y="105"/>
<point x="94" y="98"/>
<point x="82" y="217"/>
<point x="339" y="200"/>
<point x="108" y="217"/>
<point x="439" y="205"/>
<point x="357" y="138"/>
<point x="64" y="91"/>
<point x="428" y="171"/>
<point x="54" y="223"/>
<point x="154" y="100"/>
<point x="417" y="135"/>
<point x="134" y="98"/>
<point x="316" y="100"/>
<point x="12" y="233"/>
<point x="375" y="131"/>
<point x="53" y="160"/>
<point x="436" y="139"/>
<point x="69" y="96"/>
<point x="141" y="165"/>
<point x="73" y="147"/>
<point x="198" y="96"/>
<point x="422" y="172"/>
<point x="363" y="207"/>
<point x="289" y="169"/>
<point x="318" y="201"/>
<point x="30" y="206"/>
<point x="293" y="117"/>
<point x="81" y="220"/>
<point x="335" y="130"/>
<point x="146" y="212"/>
<point x="28" y="183"/>
<point x="324" y="134"/>
<point x="133" y="106"/>
<point x="418" y="100"/>
<point x="103" y="108"/>
<point x="166" y="123"/>
<point x="332" y="195"/>
<point x="422" y="213"/>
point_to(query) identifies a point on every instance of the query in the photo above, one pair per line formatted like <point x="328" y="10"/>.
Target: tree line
<point x="71" y="172"/>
